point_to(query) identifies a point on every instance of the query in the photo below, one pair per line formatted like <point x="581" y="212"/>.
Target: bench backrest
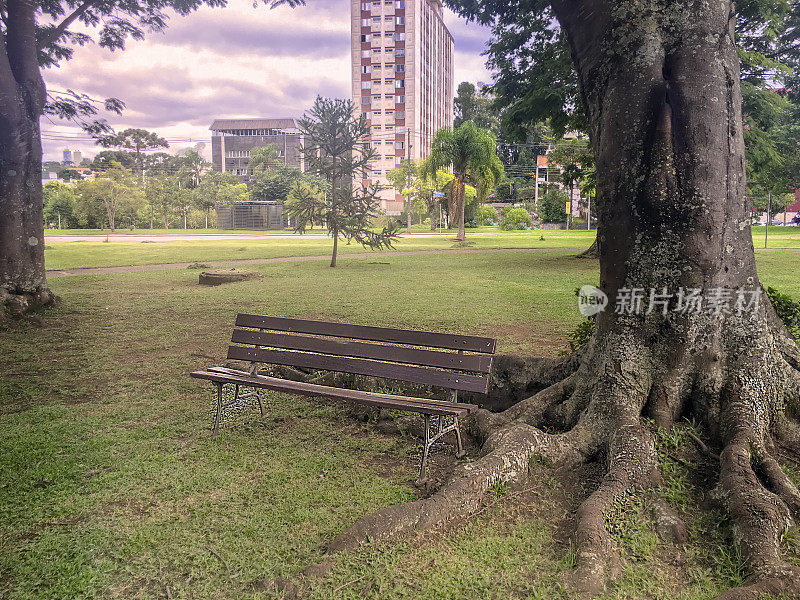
<point x="456" y="362"/>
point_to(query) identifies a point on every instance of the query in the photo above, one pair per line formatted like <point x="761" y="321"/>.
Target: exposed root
<point x="531" y="410"/>
<point x="16" y="306"/>
<point x="632" y="464"/>
<point x="509" y="452"/>
<point x="783" y="582"/>
<point x="759" y="515"/>
<point x="778" y="482"/>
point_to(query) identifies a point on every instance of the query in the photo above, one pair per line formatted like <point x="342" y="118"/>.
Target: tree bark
<point x="23" y="285"/>
<point x="460" y="201"/>
<point x="660" y="88"/>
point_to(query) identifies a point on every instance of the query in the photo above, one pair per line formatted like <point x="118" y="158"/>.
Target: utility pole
<point x="588" y="212"/>
<point x="769" y="216"/>
<point x="408" y="180"/>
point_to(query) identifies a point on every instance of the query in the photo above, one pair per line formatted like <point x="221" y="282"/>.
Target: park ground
<point x="110" y="486"/>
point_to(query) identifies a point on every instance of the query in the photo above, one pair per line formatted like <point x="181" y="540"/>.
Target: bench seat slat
<point x="480" y="363"/>
<point x="411" y="337"/>
<point x="420" y="405"/>
<point x="360" y="366"/>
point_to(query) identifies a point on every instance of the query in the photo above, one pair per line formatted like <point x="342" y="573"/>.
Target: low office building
<point x="232" y="140"/>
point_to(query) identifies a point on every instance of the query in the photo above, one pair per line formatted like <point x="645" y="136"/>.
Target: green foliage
<point x="581" y="335"/>
<point x="135" y="140"/>
<point x="788" y="310"/>
<point x="263" y="159"/>
<point x="516" y="218"/>
<point x="472" y="152"/>
<point x="59" y="204"/>
<point x="334" y="151"/>
<point x="487" y="215"/>
<point x="474" y="105"/>
<point x="553" y="206"/>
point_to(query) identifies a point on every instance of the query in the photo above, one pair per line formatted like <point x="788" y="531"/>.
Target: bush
<point x="516" y="218"/>
<point x="788" y="310"/>
<point x="554" y="206"/>
<point x="487" y="215"/>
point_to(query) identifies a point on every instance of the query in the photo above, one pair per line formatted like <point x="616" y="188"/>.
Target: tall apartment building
<point x="402" y="73"/>
<point x="233" y="139"/>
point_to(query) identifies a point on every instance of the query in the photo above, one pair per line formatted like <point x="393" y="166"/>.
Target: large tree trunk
<point x="22" y="95"/>
<point x="660" y="85"/>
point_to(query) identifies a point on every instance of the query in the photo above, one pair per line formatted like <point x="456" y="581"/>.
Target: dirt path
<point x="282" y="259"/>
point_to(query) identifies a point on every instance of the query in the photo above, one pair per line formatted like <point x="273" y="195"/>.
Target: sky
<point x="237" y="61"/>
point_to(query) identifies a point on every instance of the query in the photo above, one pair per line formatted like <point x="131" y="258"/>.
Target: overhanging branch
<point x="54" y="34"/>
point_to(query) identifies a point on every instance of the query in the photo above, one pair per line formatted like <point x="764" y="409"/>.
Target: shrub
<point x="554" y="206"/>
<point x="788" y="310"/>
<point x="516" y="218"/>
<point x="487" y="215"/>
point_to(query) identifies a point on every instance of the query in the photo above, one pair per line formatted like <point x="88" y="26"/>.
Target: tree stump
<point x="220" y="276"/>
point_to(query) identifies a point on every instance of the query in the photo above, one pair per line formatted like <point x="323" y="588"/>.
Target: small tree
<point x="473" y="156"/>
<point x="263" y="159"/>
<point x="334" y="150"/>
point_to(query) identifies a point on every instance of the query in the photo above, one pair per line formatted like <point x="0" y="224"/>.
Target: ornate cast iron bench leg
<point x="235" y="401"/>
<point x="441" y="429"/>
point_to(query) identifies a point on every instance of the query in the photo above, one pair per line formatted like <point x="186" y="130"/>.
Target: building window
<point x="389" y="81"/>
<point x="400" y="52"/>
<point x="375" y="20"/>
<point x="366" y="69"/>
<point x="400" y="129"/>
<point x="400" y="68"/>
<point x="365" y="22"/>
<point x="388" y="34"/>
<point x="400" y="99"/>
<point x="366" y="115"/>
<point x="399" y="4"/>
<point x="400" y="37"/>
<point x="399" y="145"/>
<point x="365" y="53"/>
<point x="400" y="114"/>
<point x="365" y="85"/>
<point x="400" y="20"/>
<point x="366" y="100"/>
<point x="365" y="6"/>
<point x="399" y="83"/>
<point x="365" y="37"/>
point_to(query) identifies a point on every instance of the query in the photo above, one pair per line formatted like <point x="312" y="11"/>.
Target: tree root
<point x="16" y="306"/>
<point x="759" y="515"/>
<point x="632" y="464"/>
<point x="508" y="455"/>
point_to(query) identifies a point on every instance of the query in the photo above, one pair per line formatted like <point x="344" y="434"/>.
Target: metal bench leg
<point x="260" y="405"/>
<point x="426" y="448"/>
<point x="459" y="446"/>
<point x="218" y="415"/>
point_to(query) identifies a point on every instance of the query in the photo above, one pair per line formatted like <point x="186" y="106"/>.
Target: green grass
<point x="70" y="255"/>
<point x="110" y="486"/>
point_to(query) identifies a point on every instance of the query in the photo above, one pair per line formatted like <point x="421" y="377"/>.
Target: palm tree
<point x="472" y="153"/>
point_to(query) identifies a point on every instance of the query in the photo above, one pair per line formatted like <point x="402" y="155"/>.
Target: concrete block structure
<point x="402" y="74"/>
<point x="232" y="140"/>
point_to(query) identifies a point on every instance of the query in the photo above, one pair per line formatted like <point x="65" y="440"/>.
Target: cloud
<point x="237" y="61"/>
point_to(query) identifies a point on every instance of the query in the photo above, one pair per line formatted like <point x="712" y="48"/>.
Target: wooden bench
<point x="451" y="362"/>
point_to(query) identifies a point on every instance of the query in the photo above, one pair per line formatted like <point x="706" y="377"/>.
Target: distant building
<point x="402" y="74"/>
<point x="232" y="140"/>
<point x="77" y="157"/>
<point x="67" y="157"/>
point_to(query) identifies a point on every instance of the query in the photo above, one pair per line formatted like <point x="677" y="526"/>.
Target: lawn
<point x="81" y="254"/>
<point x="111" y="487"/>
<point x="70" y="255"/>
